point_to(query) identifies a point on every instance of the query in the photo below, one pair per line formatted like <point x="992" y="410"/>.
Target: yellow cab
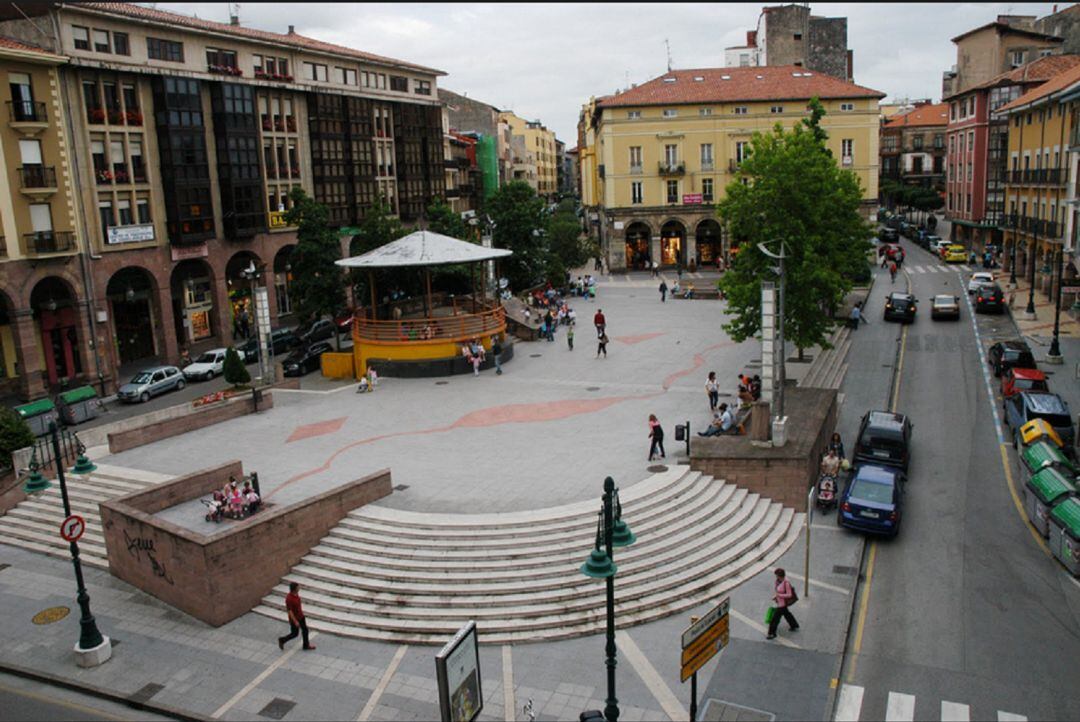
<point x="1039" y="429"/>
<point x="955" y="254"/>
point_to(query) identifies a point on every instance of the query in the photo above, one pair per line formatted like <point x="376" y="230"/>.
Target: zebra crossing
<point x="900" y="707"/>
<point x="941" y="268"/>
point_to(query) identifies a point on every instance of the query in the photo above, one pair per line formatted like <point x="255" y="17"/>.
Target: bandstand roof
<point x="424" y="248"/>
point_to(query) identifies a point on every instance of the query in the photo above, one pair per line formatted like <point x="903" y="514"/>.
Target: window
<point x="706" y="190"/>
<point x="635" y="193"/>
<point x="670" y="113"/>
<point x="41" y="217"/>
<point x="143" y="207"/>
<point x="138" y="168"/>
<point x="846" y="107"/>
<point x="123" y="210"/>
<point x="705" y="111"/>
<point x="1017" y="58"/>
<point x="672" y="191"/>
<point x="423" y="87"/>
<point x="776" y="109"/>
<point x="1016" y="121"/>
<point x="916" y="143"/>
<point x="108" y="220"/>
<point x="796" y="36"/>
<point x="81" y="36"/>
<point x="216" y="58"/>
<point x="1045" y="52"/>
<point x="635" y="159"/>
<point x="633" y="114"/>
<point x="952" y="111"/>
<point x="744" y="60"/>
<point x="315" y="71"/>
<point x="22" y="97"/>
<point x="671" y="155"/>
<point x="971" y="141"/>
<point x="344" y="76"/>
<point x="706" y="156"/>
<point x="742" y="150"/>
<point x="847" y="151"/>
<point x="157" y="49"/>
<point x="969" y="203"/>
<point x="740" y="110"/>
<point x="101" y="41"/>
<point x="120" y="44"/>
<point x="30" y="152"/>
<point x="399" y="83"/>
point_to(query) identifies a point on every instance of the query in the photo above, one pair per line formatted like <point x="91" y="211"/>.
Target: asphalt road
<point x="29" y="701"/>
<point x="963" y="616"/>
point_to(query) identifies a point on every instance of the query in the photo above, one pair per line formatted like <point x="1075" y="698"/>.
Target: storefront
<point x="672" y="243"/>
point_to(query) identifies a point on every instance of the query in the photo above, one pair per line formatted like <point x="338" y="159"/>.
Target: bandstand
<point x="424" y="336"/>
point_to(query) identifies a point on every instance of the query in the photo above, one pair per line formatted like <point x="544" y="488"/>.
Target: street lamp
<point x="601" y="565"/>
<point x="90" y="639"/>
<point x="1030" y="310"/>
<point x="1054" y="354"/>
<point x="1013" y="220"/>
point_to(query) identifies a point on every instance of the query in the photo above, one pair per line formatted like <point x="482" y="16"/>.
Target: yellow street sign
<point x="704" y="638"/>
<point x="715" y="638"/>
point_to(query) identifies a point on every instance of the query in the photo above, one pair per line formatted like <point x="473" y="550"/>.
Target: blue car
<point x="872" y="500"/>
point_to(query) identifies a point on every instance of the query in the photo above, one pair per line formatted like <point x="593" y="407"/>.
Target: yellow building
<point x="539" y="143"/>
<point x="666" y="149"/>
<point x="1039" y="220"/>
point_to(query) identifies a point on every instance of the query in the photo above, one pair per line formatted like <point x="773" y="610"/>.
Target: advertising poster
<point x="457" y="667"/>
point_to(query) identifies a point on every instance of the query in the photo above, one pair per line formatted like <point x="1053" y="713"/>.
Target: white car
<point x="207" y="366"/>
<point x="978" y="279"/>
<point x="935" y="246"/>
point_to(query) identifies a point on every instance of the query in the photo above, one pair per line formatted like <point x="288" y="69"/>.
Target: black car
<point x="312" y="331"/>
<point x="1005" y="355"/>
<point x="884" y="438"/>
<point x="283" y="339"/>
<point x="304" y="360"/>
<point x="900" y="307"/>
<point x="989" y="298"/>
<point x="889" y="235"/>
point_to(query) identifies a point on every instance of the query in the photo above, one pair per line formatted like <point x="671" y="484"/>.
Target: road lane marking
<point x="376" y="694"/>
<point x="849" y="705"/>
<point x="509" y="706"/>
<point x="955" y="712"/>
<point x="816" y="583"/>
<point x="864" y="604"/>
<point x="1010" y="717"/>
<point x="660" y="691"/>
<point x="761" y="628"/>
<point x="259" y="679"/>
<point x="901" y="707"/>
<point x="1020" y="504"/>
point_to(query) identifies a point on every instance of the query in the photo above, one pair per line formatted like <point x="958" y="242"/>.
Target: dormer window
<point x="670" y="113"/>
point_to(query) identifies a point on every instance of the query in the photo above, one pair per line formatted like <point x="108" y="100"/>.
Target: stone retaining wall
<point x="208" y="415"/>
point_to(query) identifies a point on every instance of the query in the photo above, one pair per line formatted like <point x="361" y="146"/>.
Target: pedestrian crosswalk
<point x="940" y="268"/>
<point x="900" y="707"/>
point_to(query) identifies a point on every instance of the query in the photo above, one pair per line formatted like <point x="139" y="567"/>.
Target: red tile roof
<point x="1060" y="81"/>
<point x="723" y="85"/>
<point x="12" y="44"/>
<point x="298" y="41"/>
<point x="1037" y="71"/>
<point x="924" y="115"/>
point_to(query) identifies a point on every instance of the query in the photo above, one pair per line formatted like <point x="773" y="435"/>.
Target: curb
<point x="94" y="691"/>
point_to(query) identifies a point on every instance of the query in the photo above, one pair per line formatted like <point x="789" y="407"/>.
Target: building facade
<point x="185" y="138"/>
<point x="533" y="148"/>
<point x="913" y="146"/>
<point x="790" y="35"/>
<point x="985" y="52"/>
<point x="665" y="150"/>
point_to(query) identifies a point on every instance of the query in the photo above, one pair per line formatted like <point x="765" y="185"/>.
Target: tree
<point x="564" y="237"/>
<point x="15" y="434"/>
<point x="520" y="222"/>
<point x="378" y="227"/>
<point x="317" y="287"/>
<point x="794" y="193"/>
<point x="235" y="371"/>
<point x="443" y="219"/>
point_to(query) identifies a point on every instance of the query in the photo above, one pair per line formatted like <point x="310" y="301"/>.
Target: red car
<point x="1016" y="380"/>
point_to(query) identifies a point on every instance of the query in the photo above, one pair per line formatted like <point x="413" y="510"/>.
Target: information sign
<point x="704" y="638"/>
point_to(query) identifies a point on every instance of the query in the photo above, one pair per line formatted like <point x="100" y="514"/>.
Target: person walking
<point x="663" y="291"/>
<point x="655" y="269"/>
<point x="600" y="322"/>
<point x="836" y="444"/>
<point x="656" y="433"/>
<point x="892" y="271"/>
<point x="297" y="622"/>
<point x="712" y="388"/>
<point x="496" y="352"/>
<point x="570" y="336"/>
<point x="785" y="596"/>
<point x="601" y="347"/>
<point x="856" y="317"/>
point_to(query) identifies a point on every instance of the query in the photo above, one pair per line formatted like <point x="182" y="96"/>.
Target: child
<point x="373" y="378"/>
<point x="570" y="336"/>
<point x="364" y="386"/>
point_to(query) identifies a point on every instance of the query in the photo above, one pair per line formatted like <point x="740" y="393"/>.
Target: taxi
<point x="954" y="254"/>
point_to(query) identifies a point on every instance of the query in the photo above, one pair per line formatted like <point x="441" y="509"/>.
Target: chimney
<point x="292" y="30"/>
<point x="234" y="20"/>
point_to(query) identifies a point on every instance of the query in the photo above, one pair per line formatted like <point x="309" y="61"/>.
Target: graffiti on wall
<point x="137" y="546"/>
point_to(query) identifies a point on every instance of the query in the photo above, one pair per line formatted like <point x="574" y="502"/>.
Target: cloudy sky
<point x="544" y="60"/>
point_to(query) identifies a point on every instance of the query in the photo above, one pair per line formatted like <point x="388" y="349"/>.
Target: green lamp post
<point x="601" y="565"/>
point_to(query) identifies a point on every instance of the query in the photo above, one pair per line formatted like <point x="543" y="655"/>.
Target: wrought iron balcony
<point x="34" y="177"/>
<point x="27" y="111"/>
<point x="44" y="242"/>
<point x="672" y="168"/>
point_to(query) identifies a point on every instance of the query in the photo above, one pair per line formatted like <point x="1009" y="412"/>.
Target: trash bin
<point x="1042" y="492"/>
<point x="1065" y="534"/>
<point x="38" y="414"/>
<point x="1043" y="454"/>
<point x="79" y="405"/>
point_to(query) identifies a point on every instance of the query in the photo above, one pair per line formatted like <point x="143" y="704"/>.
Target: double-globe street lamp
<point x="614" y="532"/>
<point x="1054" y="353"/>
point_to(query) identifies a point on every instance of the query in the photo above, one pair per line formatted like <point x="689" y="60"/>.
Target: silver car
<point x="151" y="382"/>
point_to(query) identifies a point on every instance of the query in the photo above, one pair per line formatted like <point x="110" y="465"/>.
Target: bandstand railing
<point x="461" y="326"/>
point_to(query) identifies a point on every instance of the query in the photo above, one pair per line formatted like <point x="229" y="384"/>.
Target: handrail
<point x="461" y="327"/>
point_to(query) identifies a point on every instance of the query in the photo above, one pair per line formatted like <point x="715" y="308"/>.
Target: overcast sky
<point x="544" y="60"/>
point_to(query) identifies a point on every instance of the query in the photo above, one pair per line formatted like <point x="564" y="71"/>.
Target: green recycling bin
<point x="1065" y="534"/>
<point x="78" y="405"/>
<point x="1043" y="454"/>
<point x="38" y="414"/>
<point x="1042" y="492"/>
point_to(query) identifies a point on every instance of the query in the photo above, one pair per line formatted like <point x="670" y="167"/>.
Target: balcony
<point x="636" y="169"/>
<point x="42" y="243"/>
<point x="1037" y="176"/>
<point x="96" y="116"/>
<point x="672" y="168"/>
<point x="263" y="75"/>
<point x="706" y="166"/>
<point x="224" y="70"/>
<point x="1036" y="226"/>
<point x="37" y="181"/>
<point x="27" y="117"/>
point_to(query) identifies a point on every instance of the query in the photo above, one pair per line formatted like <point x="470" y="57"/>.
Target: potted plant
<point x="104" y="176"/>
<point x="97" y="115"/>
<point x="290" y="123"/>
<point x="266" y="124"/>
<point x="134" y="117"/>
<point x="116" y="117"/>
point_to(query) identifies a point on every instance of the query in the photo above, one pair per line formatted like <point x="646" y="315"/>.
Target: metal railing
<point x="27" y="111"/>
<point x="1034" y="176"/>
<point x="37" y="176"/>
<point x="40" y="242"/>
<point x="459" y="327"/>
<point x="672" y="168"/>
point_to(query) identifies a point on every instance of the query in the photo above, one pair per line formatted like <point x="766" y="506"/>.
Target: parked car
<point x="936" y="246"/>
<point x="989" y="297"/>
<point x="979" y="278"/>
<point x="282" y="339"/>
<point x="954" y="253"/>
<point x="1005" y="355"/>
<point x="151" y="382"/>
<point x="900" y="306"/>
<point x="343" y="320"/>
<point x="305" y="359"/>
<point x="884" y="438"/>
<point x="929" y="240"/>
<point x="872" y="501"/>
<point x="1016" y="380"/>
<point x="889" y="235"/>
<point x="207" y="366"/>
<point x="313" y="331"/>
<point x="1027" y="405"/>
<point x="943" y="306"/>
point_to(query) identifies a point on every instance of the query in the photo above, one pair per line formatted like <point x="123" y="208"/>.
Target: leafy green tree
<point x="520" y="220"/>
<point x="15" y="434"/>
<point x="565" y="238"/>
<point x="441" y="218"/>
<point x="379" y="227"/>
<point x="317" y="288"/>
<point x="794" y="193"/>
<point x="235" y="371"/>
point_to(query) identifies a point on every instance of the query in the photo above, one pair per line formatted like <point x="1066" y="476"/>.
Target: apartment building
<point x="913" y="146"/>
<point x="1009" y="42"/>
<point x="480" y="121"/>
<point x="183" y="139"/>
<point x="535" y="158"/>
<point x="790" y="35"/>
<point x="656" y="158"/>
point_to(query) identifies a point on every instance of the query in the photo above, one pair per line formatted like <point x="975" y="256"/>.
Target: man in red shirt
<point x="600" y="322"/>
<point x="297" y="623"/>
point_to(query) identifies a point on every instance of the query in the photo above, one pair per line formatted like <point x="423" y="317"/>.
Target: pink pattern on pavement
<point x="631" y="340"/>
<point x="319" y="428"/>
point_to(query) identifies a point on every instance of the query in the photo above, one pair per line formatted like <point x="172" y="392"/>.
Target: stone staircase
<point x="829" y="368"/>
<point x="390" y="575"/>
<point x="34" y="524"/>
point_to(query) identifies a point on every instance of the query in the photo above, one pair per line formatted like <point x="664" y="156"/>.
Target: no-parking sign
<point x="73" y="528"/>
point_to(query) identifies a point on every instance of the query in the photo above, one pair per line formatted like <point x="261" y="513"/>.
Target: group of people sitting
<point x="723" y="422"/>
<point x="232" y="502"/>
<point x="749" y="389"/>
<point x="584" y="287"/>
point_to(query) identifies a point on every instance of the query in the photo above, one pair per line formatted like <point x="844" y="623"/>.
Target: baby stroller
<point x="215" y="508"/>
<point x="825" y="494"/>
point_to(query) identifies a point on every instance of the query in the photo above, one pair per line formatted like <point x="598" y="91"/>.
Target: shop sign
<point x="180" y="253"/>
<point x="277" y="220"/>
<point x="131" y="234"/>
<point x="691" y="199"/>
